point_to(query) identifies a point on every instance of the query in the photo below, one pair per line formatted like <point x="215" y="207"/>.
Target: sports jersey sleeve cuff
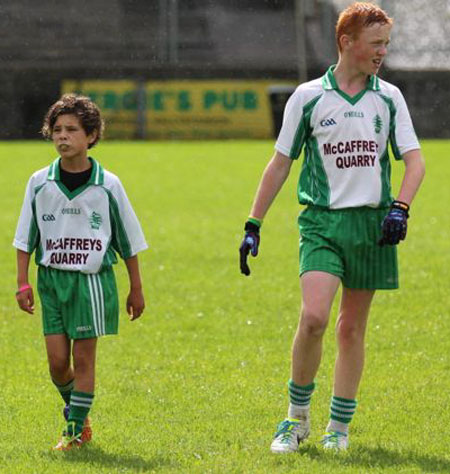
<point x="405" y="149"/>
<point x="20" y="246"/>
<point x="136" y="250"/>
<point x="284" y="150"/>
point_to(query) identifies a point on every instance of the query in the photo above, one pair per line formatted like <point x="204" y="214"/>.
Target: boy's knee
<point x="348" y="333"/>
<point x="83" y="360"/>
<point x="58" y="365"/>
<point x="313" y="322"/>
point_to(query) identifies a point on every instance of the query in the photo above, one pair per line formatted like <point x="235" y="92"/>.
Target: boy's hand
<point x="25" y="298"/>
<point x="135" y="303"/>
<point x="395" y="225"/>
<point x="250" y="243"/>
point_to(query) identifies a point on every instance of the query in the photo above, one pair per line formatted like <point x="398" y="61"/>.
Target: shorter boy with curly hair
<point x="76" y="216"/>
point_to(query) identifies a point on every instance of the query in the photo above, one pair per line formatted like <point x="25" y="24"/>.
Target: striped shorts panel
<point x="78" y="304"/>
<point x="344" y="242"/>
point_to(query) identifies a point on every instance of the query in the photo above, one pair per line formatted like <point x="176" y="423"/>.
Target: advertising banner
<point x="195" y="109"/>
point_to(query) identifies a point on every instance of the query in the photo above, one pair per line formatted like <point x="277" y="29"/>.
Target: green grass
<point x="198" y="384"/>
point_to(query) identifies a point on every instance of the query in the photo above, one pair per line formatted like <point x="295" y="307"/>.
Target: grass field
<point x="198" y="384"/>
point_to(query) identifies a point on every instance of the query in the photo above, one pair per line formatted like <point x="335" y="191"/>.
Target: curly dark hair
<point x="82" y="107"/>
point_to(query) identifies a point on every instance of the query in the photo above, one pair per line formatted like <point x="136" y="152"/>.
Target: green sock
<point x="300" y="395"/>
<point x="80" y="404"/>
<point x="65" y="390"/>
<point x="341" y="413"/>
<point x="299" y="398"/>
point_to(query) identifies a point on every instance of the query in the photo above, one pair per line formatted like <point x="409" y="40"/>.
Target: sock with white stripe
<point x="80" y="404"/>
<point x="341" y="414"/>
<point x="65" y="390"/>
<point x="299" y="398"/>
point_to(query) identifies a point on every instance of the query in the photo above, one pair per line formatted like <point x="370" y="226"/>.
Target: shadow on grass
<point x="94" y="455"/>
<point x="369" y="457"/>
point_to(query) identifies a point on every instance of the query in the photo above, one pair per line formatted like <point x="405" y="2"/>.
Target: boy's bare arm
<point x="414" y="173"/>
<point x="24" y="295"/>
<point x="135" y="300"/>
<point x="272" y="180"/>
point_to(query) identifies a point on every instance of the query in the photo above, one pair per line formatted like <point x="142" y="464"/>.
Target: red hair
<point x="357" y="16"/>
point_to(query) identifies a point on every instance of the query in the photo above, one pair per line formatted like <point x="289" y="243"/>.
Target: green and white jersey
<point x="346" y="160"/>
<point x="79" y="230"/>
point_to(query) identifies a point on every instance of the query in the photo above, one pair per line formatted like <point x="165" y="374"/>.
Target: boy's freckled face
<point x="69" y="137"/>
<point x="370" y="48"/>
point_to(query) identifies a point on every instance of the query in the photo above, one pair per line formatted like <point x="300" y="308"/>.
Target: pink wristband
<point x="23" y="288"/>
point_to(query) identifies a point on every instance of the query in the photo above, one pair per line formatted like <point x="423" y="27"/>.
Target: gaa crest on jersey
<point x="327" y="122"/>
<point x="377" y="123"/>
<point x="95" y="220"/>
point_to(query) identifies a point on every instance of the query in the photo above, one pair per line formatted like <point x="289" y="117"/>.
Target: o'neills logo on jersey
<point x="353" y="154"/>
<point x="71" y="251"/>
<point x="71" y="210"/>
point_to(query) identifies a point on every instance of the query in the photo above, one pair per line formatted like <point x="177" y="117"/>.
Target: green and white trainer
<point x="290" y="433"/>
<point x="335" y="440"/>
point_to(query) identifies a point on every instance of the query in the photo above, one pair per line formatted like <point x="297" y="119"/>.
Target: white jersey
<point x="79" y="230"/>
<point x="346" y="161"/>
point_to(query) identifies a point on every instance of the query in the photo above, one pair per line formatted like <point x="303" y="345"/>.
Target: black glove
<point x="250" y="243"/>
<point x="394" y="225"/>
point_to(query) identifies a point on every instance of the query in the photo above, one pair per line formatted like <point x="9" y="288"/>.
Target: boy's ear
<point x="92" y="137"/>
<point x="345" y="41"/>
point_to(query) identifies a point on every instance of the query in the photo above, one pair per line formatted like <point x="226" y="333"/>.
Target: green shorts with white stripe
<point x="344" y="242"/>
<point x="77" y="304"/>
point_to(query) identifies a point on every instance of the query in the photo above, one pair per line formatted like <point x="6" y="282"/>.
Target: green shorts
<point x="78" y="304"/>
<point x="344" y="242"/>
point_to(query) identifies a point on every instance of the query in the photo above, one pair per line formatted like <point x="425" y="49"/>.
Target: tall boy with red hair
<point x="351" y="224"/>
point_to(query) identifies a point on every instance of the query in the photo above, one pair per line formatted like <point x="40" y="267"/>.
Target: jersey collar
<point x="329" y="82"/>
<point x="97" y="174"/>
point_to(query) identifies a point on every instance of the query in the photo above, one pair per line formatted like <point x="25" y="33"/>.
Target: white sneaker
<point x="335" y="440"/>
<point x="290" y="433"/>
